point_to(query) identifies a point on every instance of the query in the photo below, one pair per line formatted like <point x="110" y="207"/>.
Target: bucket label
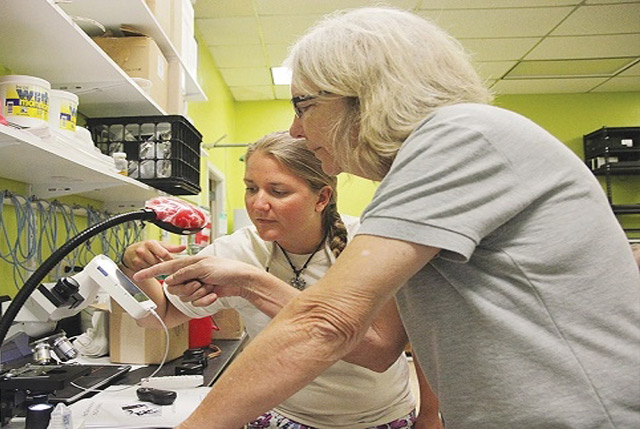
<point x="68" y="114"/>
<point x="27" y="101"/>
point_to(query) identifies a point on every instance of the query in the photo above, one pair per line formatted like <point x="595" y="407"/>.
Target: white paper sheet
<point x="119" y="407"/>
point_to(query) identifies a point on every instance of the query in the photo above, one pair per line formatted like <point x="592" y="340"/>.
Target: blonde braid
<point x="336" y="231"/>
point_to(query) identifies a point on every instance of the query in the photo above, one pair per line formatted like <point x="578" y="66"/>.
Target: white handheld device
<point x="131" y="298"/>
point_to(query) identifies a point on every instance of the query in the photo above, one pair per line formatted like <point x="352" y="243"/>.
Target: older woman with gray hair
<point x="514" y="280"/>
<point x="296" y="235"/>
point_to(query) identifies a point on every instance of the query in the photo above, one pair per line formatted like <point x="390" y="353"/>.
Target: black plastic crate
<point x="162" y="151"/>
<point x="611" y="139"/>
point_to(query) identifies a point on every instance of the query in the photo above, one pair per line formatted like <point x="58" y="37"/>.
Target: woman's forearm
<point x="306" y="342"/>
<point x="381" y="345"/>
<point x="308" y="335"/>
<point x="383" y="341"/>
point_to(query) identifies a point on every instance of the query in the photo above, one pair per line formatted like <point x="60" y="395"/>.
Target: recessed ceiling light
<point x="281" y="75"/>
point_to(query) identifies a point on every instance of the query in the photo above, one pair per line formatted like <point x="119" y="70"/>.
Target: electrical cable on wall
<point x="41" y="226"/>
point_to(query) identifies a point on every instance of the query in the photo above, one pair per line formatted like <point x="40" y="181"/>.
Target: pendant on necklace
<point x="298" y="283"/>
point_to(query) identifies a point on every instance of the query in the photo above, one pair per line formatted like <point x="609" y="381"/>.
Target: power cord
<point x="166" y="348"/>
<point x="162" y="362"/>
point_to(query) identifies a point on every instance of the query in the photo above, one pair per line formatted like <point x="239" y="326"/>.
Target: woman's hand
<point x="142" y="255"/>
<point x="202" y="279"/>
<point x="145" y="254"/>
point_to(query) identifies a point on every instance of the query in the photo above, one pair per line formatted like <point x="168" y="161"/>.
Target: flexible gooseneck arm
<point x="38" y="275"/>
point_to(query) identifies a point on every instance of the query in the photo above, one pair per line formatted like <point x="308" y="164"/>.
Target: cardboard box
<point x="229" y="323"/>
<point x="129" y="343"/>
<point x="139" y="56"/>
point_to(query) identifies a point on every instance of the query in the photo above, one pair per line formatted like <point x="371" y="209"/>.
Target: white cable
<point x="164" y="358"/>
<point x="166" y="349"/>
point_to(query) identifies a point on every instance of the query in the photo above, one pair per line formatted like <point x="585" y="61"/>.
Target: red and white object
<point x="178" y="214"/>
<point x="203" y="238"/>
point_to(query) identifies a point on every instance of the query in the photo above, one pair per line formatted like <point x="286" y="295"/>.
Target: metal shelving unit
<point x="611" y="152"/>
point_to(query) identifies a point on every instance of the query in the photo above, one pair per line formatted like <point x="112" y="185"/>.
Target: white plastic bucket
<point x="24" y="100"/>
<point x="63" y="111"/>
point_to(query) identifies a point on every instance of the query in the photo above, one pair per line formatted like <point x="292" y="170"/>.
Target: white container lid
<point x="24" y="79"/>
<point x="66" y="95"/>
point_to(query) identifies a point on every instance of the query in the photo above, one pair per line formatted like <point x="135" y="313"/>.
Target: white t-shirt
<point x="345" y="395"/>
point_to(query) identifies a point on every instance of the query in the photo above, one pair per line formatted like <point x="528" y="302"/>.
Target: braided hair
<point x="294" y="155"/>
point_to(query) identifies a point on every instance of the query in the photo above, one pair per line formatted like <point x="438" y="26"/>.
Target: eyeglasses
<point x="303" y="98"/>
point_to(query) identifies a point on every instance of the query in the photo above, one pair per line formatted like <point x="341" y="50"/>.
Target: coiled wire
<point x="43" y="226"/>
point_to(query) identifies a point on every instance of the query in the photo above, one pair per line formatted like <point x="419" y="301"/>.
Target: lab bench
<point x="229" y="349"/>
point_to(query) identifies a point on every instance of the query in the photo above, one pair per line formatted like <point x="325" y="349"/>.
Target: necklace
<point x="298" y="282"/>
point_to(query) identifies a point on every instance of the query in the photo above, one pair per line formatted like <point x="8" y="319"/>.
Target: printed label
<point x="27" y="100"/>
<point x="68" y="114"/>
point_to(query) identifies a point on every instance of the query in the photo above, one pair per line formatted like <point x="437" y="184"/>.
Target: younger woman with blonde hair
<point x="297" y="234"/>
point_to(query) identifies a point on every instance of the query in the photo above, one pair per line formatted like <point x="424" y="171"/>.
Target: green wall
<point x="570" y="116"/>
<point x="257" y="118"/>
<point x="567" y="116"/>
<point x="213" y="118"/>
<point x="220" y="118"/>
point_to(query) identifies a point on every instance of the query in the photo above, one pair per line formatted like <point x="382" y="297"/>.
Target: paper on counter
<point x="119" y="407"/>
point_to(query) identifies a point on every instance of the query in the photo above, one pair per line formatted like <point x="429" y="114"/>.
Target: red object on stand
<point x="200" y="332"/>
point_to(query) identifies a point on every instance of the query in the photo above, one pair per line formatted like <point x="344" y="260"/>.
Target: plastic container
<point x="163" y="151"/>
<point x="605" y="139"/>
<point x="63" y="111"/>
<point x="120" y="159"/>
<point x="24" y="100"/>
<point x="200" y="332"/>
<point x="61" y="417"/>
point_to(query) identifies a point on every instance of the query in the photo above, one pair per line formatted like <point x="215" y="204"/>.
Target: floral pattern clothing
<point x="274" y="420"/>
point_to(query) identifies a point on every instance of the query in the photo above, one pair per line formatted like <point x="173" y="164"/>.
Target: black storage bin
<point x="162" y="151"/>
<point x="610" y="139"/>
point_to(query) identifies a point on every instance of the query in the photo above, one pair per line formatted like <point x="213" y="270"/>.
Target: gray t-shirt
<point x="530" y="314"/>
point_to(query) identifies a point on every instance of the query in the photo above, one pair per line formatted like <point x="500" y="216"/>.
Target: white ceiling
<point x="519" y="46"/>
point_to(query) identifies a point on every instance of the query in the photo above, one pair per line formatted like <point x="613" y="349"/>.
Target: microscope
<point x="37" y="307"/>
